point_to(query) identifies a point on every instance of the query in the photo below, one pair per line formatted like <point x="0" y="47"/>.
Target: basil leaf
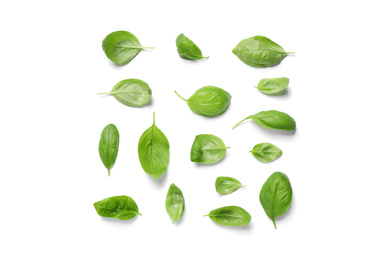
<point x="259" y="51"/>
<point x="174" y="204"/>
<point x="120" y="207"/>
<point x="266" y="152"/>
<point x="207" y="149"/>
<point x="276" y="195"/>
<point x="109" y="146"/>
<point x="208" y="101"/>
<point x="153" y="151"/>
<point x="272" y="119"/>
<point x="121" y="47"/>
<point x="273" y="86"/>
<point x="131" y="92"/>
<point x="227" y="185"/>
<point x="187" y="49"/>
<point x="230" y="216"/>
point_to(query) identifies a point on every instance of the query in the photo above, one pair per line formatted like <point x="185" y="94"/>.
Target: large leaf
<point x="109" y="146"/>
<point x="207" y="149"/>
<point x="120" y="207"/>
<point x="272" y="119"/>
<point x="273" y="86"/>
<point x="174" y="203"/>
<point x="187" y="49"/>
<point x="227" y="185"/>
<point x="230" y="216"/>
<point x="266" y="152"/>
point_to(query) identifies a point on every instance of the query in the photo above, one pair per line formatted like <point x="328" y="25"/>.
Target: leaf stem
<point x="180" y="96"/>
<point x="273" y="220"/>
<point x="105" y="93"/>
<point x="206" y="215"/>
<point x="139" y="213"/>
<point x="205" y="57"/>
<point x="240" y="122"/>
<point x="154" y="118"/>
<point x="108" y="172"/>
<point x="290" y="52"/>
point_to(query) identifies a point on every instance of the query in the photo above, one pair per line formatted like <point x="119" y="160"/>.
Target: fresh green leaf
<point x="272" y="119"/>
<point x="259" y="51"/>
<point x="174" y="204"/>
<point x="120" y="207"/>
<point x="273" y="86"/>
<point x="276" y="195"/>
<point x="266" y="152"/>
<point x="131" y="92"/>
<point x="227" y="185"/>
<point x="208" y="101"/>
<point x="153" y="151"/>
<point x="208" y="149"/>
<point x="121" y="47"/>
<point x="108" y="146"/>
<point x="187" y="49"/>
<point x="230" y="216"/>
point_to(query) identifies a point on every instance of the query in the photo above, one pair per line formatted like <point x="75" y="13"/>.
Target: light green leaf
<point x="208" y="149"/>
<point x="187" y="49"/>
<point x="266" y="152"/>
<point x="272" y="119"/>
<point x="273" y="86"/>
<point x="174" y="203"/>
<point x="227" y="185"/>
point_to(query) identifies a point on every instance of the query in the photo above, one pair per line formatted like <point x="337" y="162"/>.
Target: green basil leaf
<point x="276" y="195"/>
<point x="227" y="185"/>
<point x="208" y="149"/>
<point x="266" y="152"/>
<point x="273" y="86"/>
<point x="272" y="119"/>
<point x="131" y="92"/>
<point x="187" y="49"/>
<point x="230" y="216"/>
<point x="208" y="101"/>
<point x="153" y="151"/>
<point x="120" y="207"/>
<point x="174" y="204"/>
<point x="109" y="146"/>
<point x="259" y="51"/>
<point x="121" y="47"/>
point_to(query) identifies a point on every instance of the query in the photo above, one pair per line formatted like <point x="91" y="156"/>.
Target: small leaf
<point x="131" y="92"/>
<point x="153" y="151"/>
<point x="227" y="185"/>
<point x="109" y="146"/>
<point x="121" y="47"/>
<point x="174" y="203"/>
<point x="120" y="207"/>
<point x="276" y="195"/>
<point x="208" y="101"/>
<point x="272" y="119"/>
<point x="230" y="216"/>
<point x="187" y="49"/>
<point x="273" y="86"/>
<point x="208" y="149"/>
<point x="259" y="51"/>
<point x="266" y="152"/>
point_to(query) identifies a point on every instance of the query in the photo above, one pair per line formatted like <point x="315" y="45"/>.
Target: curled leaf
<point x="174" y="203"/>
<point x="187" y="49"/>
<point x="208" y="149"/>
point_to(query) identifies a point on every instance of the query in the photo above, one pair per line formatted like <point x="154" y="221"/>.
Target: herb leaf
<point x="121" y="47"/>
<point x="153" y="151"/>
<point x="227" y="185"/>
<point x="109" y="146"/>
<point x="120" y="207"/>
<point x="259" y="51"/>
<point x="187" y="49"/>
<point x="230" y="216"/>
<point x="208" y="149"/>
<point x="276" y="195"/>
<point x="174" y="203"/>
<point x="273" y="86"/>
<point x="131" y="92"/>
<point x="208" y="101"/>
<point x="266" y="152"/>
<point x="272" y="119"/>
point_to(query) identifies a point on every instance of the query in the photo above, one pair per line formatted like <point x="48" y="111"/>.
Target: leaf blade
<point x="109" y="146"/>
<point x="119" y="207"/>
<point x="227" y="185"/>
<point x="273" y="86"/>
<point x="207" y="149"/>
<point x="266" y="152"/>
<point x="230" y="216"/>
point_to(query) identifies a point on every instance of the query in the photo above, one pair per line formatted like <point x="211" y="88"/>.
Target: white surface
<point x="52" y="66"/>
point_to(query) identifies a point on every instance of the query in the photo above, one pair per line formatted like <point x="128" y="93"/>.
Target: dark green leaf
<point x="108" y="146"/>
<point x="259" y="51"/>
<point x="120" y="207"/>
<point x="207" y="149"/>
<point x="230" y="216"/>
<point x="208" y="101"/>
<point x="121" y="47"/>
<point x="153" y="151"/>
<point x="227" y="185"/>
<point x="273" y="86"/>
<point x="187" y="49"/>
<point x="276" y="195"/>
<point x="272" y="119"/>
<point x="266" y="152"/>
<point x="174" y="204"/>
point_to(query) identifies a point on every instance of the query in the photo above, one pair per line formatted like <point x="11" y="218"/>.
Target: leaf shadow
<point x="160" y="181"/>
<point x="118" y="221"/>
<point x="284" y="95"/>
<point x="246" y="228"/>
<point x="185" y="61"/>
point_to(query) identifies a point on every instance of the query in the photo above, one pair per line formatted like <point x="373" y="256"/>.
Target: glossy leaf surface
<point x="208" y="101"/>
<point x="187" y="49"/>
<point x="230" y="216"/>
<point x="120" y="207"/>
<point x="153" y="151"/>
<point x="272" y="119"/>
<point x="266" y="152"/>
<point x="174" y="203"/>
<point x="109" y="146"/>
<point x="273" y="86"/>
<point x="276" y="195"/>
<point x="207" y="149"/>
<point x="227" y="185"/>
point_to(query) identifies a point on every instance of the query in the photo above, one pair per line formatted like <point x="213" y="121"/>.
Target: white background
<point x="52" y="66"/>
